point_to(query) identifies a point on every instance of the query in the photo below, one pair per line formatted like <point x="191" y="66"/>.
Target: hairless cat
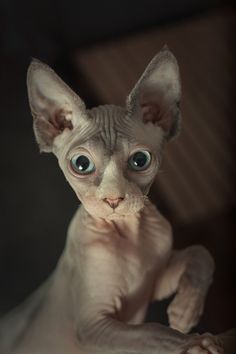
<point x="118" y="255"/>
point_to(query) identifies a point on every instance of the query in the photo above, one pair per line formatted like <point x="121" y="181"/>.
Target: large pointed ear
<point x="54" y="106"/>
<point x="156" y="96"/>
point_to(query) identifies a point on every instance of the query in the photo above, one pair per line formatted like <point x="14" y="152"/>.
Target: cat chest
<point x="136" y="265"/>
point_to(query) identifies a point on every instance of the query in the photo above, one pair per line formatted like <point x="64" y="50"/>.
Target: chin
<point x="120" y="215"/>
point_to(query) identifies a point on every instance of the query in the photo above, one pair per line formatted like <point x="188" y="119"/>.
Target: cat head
<point x="109" y="154"/>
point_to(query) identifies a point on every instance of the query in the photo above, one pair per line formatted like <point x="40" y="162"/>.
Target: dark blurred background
<point x="100" y="49"/>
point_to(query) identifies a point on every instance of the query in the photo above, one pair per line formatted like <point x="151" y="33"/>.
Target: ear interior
<point x="156" y="95"/>
<point x="54" y="106"/>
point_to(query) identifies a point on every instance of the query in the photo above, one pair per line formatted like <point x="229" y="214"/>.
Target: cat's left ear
<point x="54" y="106"/>
<point x="155" y="98"/>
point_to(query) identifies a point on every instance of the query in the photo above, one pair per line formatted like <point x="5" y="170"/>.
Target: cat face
<point x="113" y="165"/>
<point x="109" y="155"/>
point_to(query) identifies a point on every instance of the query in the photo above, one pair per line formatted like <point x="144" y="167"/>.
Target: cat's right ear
<point x="54" y="106"/>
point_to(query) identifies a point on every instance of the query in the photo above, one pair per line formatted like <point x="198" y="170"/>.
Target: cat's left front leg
<point x="189" y="274"/>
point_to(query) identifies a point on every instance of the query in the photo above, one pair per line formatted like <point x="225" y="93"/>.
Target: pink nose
<point x="113" y="202"/>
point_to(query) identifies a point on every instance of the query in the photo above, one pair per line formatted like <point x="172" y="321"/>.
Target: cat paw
<point x="203" y="344"/>
<point x="186" y="309"/>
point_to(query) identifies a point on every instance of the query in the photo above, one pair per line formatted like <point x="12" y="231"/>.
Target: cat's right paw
<point x="203" y="344"/>
<point x="186" y="308"/>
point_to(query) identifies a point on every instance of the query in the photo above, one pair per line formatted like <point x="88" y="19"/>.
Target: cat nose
<point x="113" y="202"/>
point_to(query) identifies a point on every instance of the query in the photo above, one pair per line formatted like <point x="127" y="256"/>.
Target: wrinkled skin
<point x="118" y="256"/>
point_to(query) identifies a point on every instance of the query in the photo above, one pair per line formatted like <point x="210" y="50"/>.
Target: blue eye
<point x="140" y="160"/>
<point x="82" y="165"/>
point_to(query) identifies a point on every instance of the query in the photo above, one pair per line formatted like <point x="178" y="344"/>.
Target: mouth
<point x="119" y="214"/>
<point x="123" y="210"/>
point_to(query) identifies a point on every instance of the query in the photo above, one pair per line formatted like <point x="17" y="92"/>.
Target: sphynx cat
<point x="118" y="255"/>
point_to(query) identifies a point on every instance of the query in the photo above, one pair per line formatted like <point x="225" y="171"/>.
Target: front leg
<point x="189" y="273"/>
<point x="99" y="293"/>
<point x="106" y="335"/>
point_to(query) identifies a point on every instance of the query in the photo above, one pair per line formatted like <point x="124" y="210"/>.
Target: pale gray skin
<point x="118" y="256"/>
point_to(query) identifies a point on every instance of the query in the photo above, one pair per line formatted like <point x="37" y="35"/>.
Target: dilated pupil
<point x="82" y="163"/>
<point x="139" y="159"/>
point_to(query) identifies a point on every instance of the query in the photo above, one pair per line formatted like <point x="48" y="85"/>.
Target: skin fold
<point x="118" y="256"/>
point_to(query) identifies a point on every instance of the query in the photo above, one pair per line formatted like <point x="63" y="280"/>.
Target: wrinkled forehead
<point x="107" y="128"/>
<point x="112" y="126"/>
<point x="110" y="129"/>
